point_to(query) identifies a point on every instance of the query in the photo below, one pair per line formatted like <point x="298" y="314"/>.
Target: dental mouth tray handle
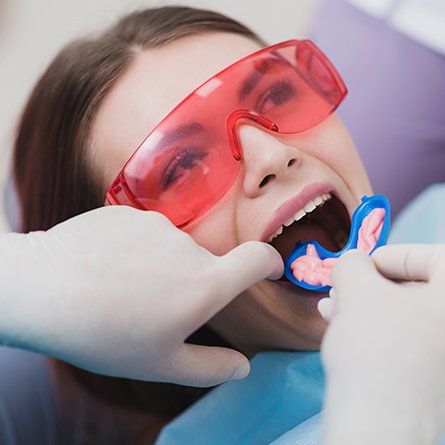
<point x="368" y="204"/>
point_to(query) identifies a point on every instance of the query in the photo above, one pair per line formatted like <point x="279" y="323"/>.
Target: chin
<point x="294" y="311"/>
<point x="268" y="316"/>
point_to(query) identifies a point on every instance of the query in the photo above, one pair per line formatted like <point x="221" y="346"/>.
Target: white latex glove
<point x="117" y="291"/>
<point x="384" y="350"/>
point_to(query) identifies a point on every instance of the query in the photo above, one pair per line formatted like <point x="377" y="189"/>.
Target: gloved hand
<point x="117" y="291"/>
<point x="384" y="350"/>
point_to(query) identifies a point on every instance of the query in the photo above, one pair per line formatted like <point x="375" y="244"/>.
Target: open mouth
<point x="324" y="219"/>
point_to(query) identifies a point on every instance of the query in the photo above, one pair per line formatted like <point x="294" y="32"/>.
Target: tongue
<point x="285" y="243"/>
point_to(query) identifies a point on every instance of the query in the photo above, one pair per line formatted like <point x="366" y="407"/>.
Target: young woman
<point x="299" y="178"/>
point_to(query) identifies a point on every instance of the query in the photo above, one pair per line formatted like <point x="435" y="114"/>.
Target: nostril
<point x="291" y="162"/>
<point x="266" y="179"/>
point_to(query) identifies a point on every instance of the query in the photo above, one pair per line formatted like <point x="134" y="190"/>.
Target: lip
<point x="288" y="209"/>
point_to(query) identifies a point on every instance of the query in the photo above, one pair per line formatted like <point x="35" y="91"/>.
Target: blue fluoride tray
<point x="369" y="203"/>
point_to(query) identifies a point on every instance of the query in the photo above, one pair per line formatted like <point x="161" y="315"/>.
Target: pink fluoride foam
<point x="370" y="230"/>
<point x="311" y="269"/>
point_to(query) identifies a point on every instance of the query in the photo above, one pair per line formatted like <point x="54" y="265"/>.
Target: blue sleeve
<point x="27" y="408"/>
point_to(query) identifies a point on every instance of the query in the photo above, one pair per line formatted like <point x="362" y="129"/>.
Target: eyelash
<point x="282" y="84"/>
<point x="185" y="159"/>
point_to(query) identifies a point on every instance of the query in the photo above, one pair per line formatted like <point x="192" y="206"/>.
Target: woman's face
<point x="278" y="176"/>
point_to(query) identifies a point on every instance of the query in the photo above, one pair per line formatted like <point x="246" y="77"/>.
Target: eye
<point x="277" y="95"/>
<point x="182" y="163"/>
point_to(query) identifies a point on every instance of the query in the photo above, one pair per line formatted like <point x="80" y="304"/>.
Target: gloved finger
<point x="235" y="271"/>
<point x="244" y="266"/>
<point x="205" y="366"/>
<point x="326" y="307"/>
<point x="410" y="262"/>
<point x="353" y="271"/>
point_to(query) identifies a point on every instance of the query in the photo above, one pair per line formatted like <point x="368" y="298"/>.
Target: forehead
<point x="155" y="82"/>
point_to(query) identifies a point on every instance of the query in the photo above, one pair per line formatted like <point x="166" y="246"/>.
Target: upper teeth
<point x="308" y="208"/>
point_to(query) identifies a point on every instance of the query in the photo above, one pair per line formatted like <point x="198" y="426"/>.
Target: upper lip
<point x="288" y="209"/>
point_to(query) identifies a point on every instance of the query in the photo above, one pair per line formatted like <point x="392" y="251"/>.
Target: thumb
<point x="352" y="274"/>
<point x="245" y="265"/>
<point x="407" y="261"/>
<point x="205" y="366"/>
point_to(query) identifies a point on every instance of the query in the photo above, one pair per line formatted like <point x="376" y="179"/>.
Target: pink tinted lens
<point x="303" y="89"/>
<point x="182" y="177"/>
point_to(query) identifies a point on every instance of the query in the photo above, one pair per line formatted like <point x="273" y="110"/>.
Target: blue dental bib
<point x="283" y="389"/>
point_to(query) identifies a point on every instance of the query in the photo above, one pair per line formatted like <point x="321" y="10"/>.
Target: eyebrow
<point x="247" y="86"/>
<point x="252" y="80"/>
<point x="179" y="133"/>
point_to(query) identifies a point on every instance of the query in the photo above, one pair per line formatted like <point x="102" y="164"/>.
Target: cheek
<point x="340" y="154"/>
<point x="216" y="230"/>
<point x="333" y="145"/>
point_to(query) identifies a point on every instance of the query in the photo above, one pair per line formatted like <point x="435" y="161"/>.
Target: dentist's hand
<point x="117" y="291"/>
<point x="384" y="350"/>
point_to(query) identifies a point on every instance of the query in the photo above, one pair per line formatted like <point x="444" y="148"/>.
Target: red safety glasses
<point x="192" y="157"/>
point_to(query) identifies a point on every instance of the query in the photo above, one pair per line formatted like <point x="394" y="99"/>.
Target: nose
<point x="266" y="160"/>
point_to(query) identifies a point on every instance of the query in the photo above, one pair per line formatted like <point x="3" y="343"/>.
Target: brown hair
<point x="54" y="183"/>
